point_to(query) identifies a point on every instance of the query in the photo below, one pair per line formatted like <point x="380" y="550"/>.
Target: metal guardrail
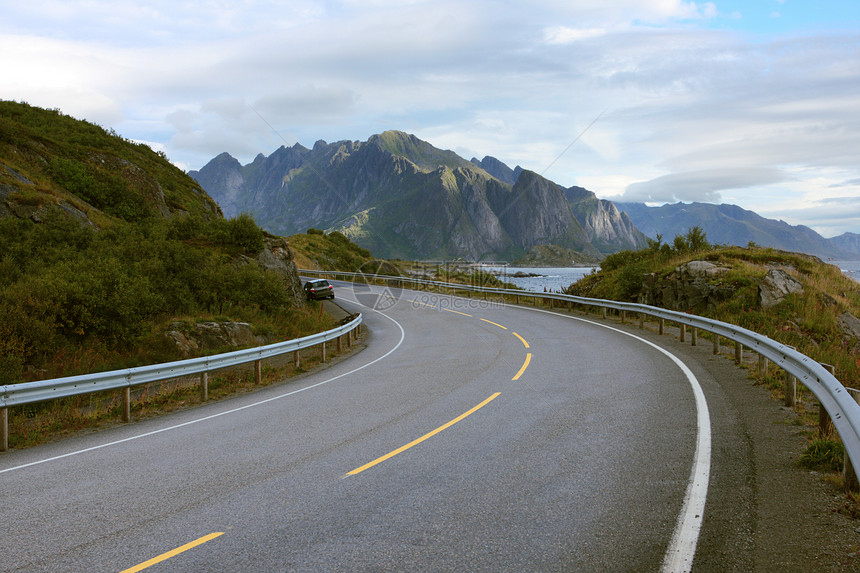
<point x="41" y="390"/>
<point x="843" y="410"/>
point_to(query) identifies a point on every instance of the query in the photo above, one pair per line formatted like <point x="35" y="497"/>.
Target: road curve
<point x="466" y="436"/>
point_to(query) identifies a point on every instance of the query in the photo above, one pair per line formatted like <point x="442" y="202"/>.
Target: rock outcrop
<point x="207" y="337"/>
<point x="777" y="285"/>
<point x="691" y="287"/>
<point x="850" y="326"/>
<point x="277" y="256"/>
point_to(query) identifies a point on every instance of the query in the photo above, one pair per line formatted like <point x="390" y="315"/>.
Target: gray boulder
<point x="849" y="324"/>
<point x="692" y="287"/>
<point x="777" y="285"/>
<point x="205" y="337"/>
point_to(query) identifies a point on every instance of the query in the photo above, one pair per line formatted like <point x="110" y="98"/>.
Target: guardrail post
<point x="204" y="386"/>
<point x="662" y="327"/>
<point x="126" y="404"/>
<point x="4" y="429"/>
<point x="641" y="321"/>
<point x="790" y="386"/>
<point x="825" y="424"/>
<point x="716" y="343"/>
<point x="849" y="474"/>
<point x="762" y="365"/>
<point x="739" y="352"/>
<point x="258" y="371"/>
<point x="603" y="312"/>
<point x="340" y="343"/>
<point x="298" y="358"/>
<point x="683" y="332"/>
<point x="323" y="351"/>
<point x="623" y="316"/>
<point x="694" y="336"/>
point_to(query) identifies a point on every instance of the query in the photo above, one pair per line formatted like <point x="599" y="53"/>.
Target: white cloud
<point x="565" y="35"/>
<point x="704" y="185"/>
<point x="690" y="112"/>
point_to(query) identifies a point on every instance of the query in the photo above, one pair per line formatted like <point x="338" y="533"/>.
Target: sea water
<point x="551" y="279"/>
<point x="850" y="269"/>
<point x="556" y="279"/>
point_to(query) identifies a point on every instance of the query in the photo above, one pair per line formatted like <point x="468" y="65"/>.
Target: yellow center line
<point x="495" y="324"/>
<point x="175" y="552"/>
<point x="456" y="312"/>
<point x="523" y="369"/>
<point x="422" y="438"/>
<point x="523" y="340"/>
<point x="422" y="303"/>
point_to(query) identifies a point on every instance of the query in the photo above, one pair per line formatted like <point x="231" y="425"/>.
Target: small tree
<point x="696" y="240"/>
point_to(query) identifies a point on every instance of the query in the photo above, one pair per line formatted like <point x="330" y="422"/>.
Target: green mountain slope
<point x="52" y="161"/>
<point x="103" y="243"/>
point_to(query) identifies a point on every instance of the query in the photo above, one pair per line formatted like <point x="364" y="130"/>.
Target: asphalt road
<point x="466" y="436"/>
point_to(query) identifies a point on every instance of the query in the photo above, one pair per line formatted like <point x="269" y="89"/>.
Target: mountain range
<point x="733" y="225"/>
<point x="400" y="197"/>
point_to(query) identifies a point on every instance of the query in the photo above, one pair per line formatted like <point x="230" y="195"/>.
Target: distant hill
<point x="733" y="225"/>
<point x="400" y="197"/>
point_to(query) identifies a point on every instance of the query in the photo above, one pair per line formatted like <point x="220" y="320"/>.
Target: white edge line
<point x="233" y="411"/>
<point x="682" y="548"/>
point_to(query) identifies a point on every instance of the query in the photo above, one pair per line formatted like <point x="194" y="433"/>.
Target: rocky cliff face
<point x="608" y="229"/>
<point x="498" y="169"/>
<point x="400" y="197"/>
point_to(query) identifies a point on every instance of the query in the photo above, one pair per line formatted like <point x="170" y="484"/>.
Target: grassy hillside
<point x="807" y="320"/>
<point x="49" y="157"/>
<point x="330" y="252"/>
<point x="103" y="242"/>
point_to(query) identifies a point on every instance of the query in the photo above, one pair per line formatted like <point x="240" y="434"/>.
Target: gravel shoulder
<point x="764" y="511"/>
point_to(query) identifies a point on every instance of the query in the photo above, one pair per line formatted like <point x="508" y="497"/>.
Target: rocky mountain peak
<point x="401" y="197"/>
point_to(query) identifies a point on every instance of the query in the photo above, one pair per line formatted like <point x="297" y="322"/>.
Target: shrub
<point x="241" y="232"/>
<point x="824" y="455"/>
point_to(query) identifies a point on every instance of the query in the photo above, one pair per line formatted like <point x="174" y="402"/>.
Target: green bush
<point x="66" y="286"/>
<point x="824" y="455"/>
<point x="241" y="232"/>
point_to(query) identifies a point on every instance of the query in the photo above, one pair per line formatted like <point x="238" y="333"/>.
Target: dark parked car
<point x="318" y="289"/>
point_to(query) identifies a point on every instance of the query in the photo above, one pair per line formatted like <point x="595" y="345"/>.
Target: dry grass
<point x="35" y="424"/>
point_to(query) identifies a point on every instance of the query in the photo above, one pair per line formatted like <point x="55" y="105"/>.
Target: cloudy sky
<point x="751" y="102"/>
